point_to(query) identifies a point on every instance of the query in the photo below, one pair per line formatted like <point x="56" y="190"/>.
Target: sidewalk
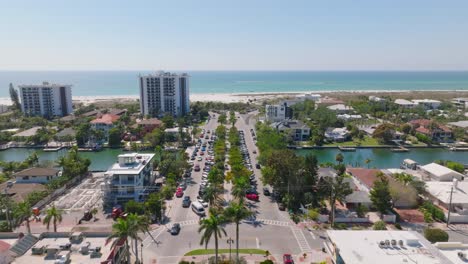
<point x="316" y="256"/>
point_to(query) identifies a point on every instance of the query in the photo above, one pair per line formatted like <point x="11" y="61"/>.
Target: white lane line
<point x="257" y="242"/>
<point x="312" y="234"/>
<point x="163" y="228"/>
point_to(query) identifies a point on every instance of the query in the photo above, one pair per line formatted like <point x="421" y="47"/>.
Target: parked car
<point x="175" y="229"/>
<point x="266" y="191"/>
<point x="287" y="259"/>
<point x="179" y="192"/>
<point x="252" y="196"/>
<point x="199" y="158"/>
<point x="202" y="202"/>
<point x="281" y="206"/>
<point x="186" y="202"/>
<point x="197" y="167"/>
<point x="258" y="166"/>
<point x="254" y="151"/>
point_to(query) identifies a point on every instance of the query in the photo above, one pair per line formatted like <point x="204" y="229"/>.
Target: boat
<point x="459" y="148"/>
<point x="348" y="149"/>
<point x="400" y="149"/>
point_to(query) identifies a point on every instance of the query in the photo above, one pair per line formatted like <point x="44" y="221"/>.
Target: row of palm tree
<point x="23" y="212"/>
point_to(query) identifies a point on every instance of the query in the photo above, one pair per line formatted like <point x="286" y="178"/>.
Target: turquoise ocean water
<point x="92" y="83"/>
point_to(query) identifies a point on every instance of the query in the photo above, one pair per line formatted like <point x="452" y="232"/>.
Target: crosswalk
<point x="184" y="223"/>
<point x="274" y="222"/>
<point x="301" y="240"/>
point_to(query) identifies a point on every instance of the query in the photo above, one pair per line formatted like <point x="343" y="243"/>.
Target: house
<point x="28" y="133"/>
<point x="66" y="134"/>
<point x="36" y="175"/>
<point x="441" y="173"/>
<point x="436" y="132"/>
<point x="130" y="178"/>
<point x="405" y="103"/>
<point x="376" y="99"/>
<point x="409" y="164"/>
<point x="276" y="113"/>
<point x="341" y="108"/>
<point x="364" y="176"/>
<point x="148" y="125"/>
<point x="347" y="117"/>
<point x="461" y="103"/>
<point x="104" y="123"/>
<point x="455" y="193"/>
<point x="296" y="129"/>
<point x="460" y="124"/>
<point x="337" y="134"/>
<point x="427" y="104"/>
<point x="19" y="192"/>
<point x="382" y="247"/>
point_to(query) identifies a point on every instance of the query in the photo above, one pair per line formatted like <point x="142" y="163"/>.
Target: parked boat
<point x="348" y="149"/>
<point x="459" y="148"/>
<point x="400" y="149"/>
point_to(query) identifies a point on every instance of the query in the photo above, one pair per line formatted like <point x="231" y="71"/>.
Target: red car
<point x="252" y="196"/>
<point x="202" y="153"/>
<point x="196" y="168"/>
<point x="287" y="259"/>
<point x="179" y="193"/>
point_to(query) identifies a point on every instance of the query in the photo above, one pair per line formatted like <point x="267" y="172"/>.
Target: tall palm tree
<point x="53" y="214"/>
<point x="212" y="226"/>
<point x="24" y="212"/>
<point x="339" y="158"/>
<point x="236" y="212"/>
<point x="368" y="161"/>
<point x="136" y="224"/>
<point x="120" y="232"/>
<point x="212" y="196"/>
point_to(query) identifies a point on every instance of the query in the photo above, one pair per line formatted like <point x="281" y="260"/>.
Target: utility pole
<point x="450" y="206"/>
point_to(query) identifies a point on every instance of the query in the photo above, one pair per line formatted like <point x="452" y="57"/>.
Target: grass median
<point x="197" y="252"/>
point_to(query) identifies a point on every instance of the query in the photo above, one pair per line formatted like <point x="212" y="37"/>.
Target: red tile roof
<point x="423" y="130"/>
<point x="151" y="121"/>
<point x="366" y="176"/>
<point x="107" y="119"/>
<point x="421" y="122"/>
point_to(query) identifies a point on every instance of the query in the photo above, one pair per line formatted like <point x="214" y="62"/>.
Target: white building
<point x="376" y="99"/>
<point x="279" y="112"/>
<point x="164" y="92"/>
<point x="347" y="117"/>
<point x="428" y="103"/>
<point x="337" y="134"/>
<point x="312" y="97"/>
<point x="4" y="108"/>
<point x="441" y="173"/>
<point x="405" y="103"/>
<point x="36" y="175"/>
<point x="341" y="108"/>
<point x="457" y="252"/>
<point x="442" y="193"/>
<point x="297" y="130"/>
<point x="129" y="179"/>
<point x="460" y="102"/>
<point x="47" y="100"/>
<point x="382" y="247"/>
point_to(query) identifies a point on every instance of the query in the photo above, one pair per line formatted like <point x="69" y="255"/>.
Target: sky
<point x="234" y="35"/>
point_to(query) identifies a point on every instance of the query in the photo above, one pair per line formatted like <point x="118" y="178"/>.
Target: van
<point x="197" y="208"/>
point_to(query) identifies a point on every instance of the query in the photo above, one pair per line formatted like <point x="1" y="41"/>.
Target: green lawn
<point x="367" y="141"/>
<point x="224" y="251"/>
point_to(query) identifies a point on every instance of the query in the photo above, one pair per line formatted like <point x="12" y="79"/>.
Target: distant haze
<point x="234" y="35"/>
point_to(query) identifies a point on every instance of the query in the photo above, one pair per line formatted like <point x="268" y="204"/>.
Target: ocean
<point x="98" y="83"/>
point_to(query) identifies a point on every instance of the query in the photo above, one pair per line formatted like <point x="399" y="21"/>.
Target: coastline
<point x="254" y="96"/>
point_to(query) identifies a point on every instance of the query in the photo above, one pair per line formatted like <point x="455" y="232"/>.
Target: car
<point x="266" y="191"/>
<point x="186" y="202"/>
<point x="200" y="200"/>
<point x="287" y="259"/>
<point x="183" y="185"/>
<point x="202" y="153"/>
<point x="258" y="166"/>
<point x="252" y="196"/>
<point x="175" y="229"/>
<point x="199" y="158"/>
<point x="179" y="192"/>
<point x="197" y="168"/>
<point x="192" y="158"/>
<point x="281" y="206"/>
<point x="254" y="151"/>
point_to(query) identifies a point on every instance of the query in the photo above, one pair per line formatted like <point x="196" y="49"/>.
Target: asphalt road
<point x="272" y="231"/>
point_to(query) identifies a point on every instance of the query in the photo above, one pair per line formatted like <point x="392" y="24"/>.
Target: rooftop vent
<point x="461" y="255"/>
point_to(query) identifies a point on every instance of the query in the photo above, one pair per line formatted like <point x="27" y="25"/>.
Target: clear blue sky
<point x="234" y="35"/>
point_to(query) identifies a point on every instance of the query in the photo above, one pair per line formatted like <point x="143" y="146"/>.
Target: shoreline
<point x="249" y="96"/>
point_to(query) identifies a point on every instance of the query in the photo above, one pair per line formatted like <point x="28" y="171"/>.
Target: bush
<point x="268" y="261"/>
<point x="379" y="225"/>
<point x="341" y="226"/>
<point x="432" y="210"/>
<point x="313" y="214"/>
<point x="436" y="235"/>
<point x="133" y="207"/>
<point x="4" y="227"/>
<point x="398" y="226"/>
<point x="362" y="210"/>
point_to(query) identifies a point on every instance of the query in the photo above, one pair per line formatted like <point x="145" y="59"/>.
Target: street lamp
<point x="230" y="241"/>
<point x="141" y="253"/>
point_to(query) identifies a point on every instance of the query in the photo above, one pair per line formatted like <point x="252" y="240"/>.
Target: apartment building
<point x="46" y="100"/>
<point x="164" y="92"/>
<point x="279" y="112"/>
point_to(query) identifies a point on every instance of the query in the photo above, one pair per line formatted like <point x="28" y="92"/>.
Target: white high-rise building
<point x="46" y="100"/>
<point x="164" y="92"/>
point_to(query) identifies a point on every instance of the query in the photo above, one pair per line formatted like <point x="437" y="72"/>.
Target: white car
<point x="199" y="158"/>
<point x="205" y="204"/>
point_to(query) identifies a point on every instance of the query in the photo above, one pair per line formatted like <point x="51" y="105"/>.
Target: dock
<point x="347" y="149"/>
<point x="400" y="149"/>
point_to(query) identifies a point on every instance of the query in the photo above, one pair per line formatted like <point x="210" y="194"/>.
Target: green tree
<point x="133" y="207"/>
<point x="115" y="137"/>
<point x="380" y="194"/>
<point x="154" y="205"/>
<point x="168" y="121"/>
<point x="22" y="213"/>
<point x="157" y="137"/>
<point x="222" y="119"/>
<point x="53" y="215"/>
<point x="339" y="158"/>
<point x="236" y="212"/>
<point x="212" y="195"/>
<point x="121" y="231"/>
<point x="335" y="189"/>
<point x="83" y="133"/>
<point x="212" y="226"/>
<point x="368" y="161"/>
<point x="436" y="235"/>
<point x="379" y="225"/>
<point x="384" y="132"/>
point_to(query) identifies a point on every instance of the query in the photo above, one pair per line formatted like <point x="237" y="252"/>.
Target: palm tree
<point x="212" y="226"/>
<point x="23" y="212"/>
<point x="236" y="212"/>
<point x="53" y="214"/>
<point x="368" y="161"/>
<point x="120" y="232"/>
<point x="136" y="223"/>
<point x="239" y="189"/>
<point x="212" y="196"/>
<point x="339" y="158"/>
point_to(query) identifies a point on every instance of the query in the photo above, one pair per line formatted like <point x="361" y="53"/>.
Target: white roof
<point x="451" y="250"/>
<point x="462" y="124"/>
<point x="403" y="102"/>
<point x="441" y="191"/>
<point x="142" y="160"/>
<point x="362" y="246"/>
<point x="425" y="101"/>
<point x="440" y="171"/>
<point x="339" y="107"/>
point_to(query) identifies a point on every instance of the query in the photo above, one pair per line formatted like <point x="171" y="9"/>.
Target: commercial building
<point x="164" y="92"/>
<point x="279" y="112"/>
<point x="46" y="100"/>
<point x="438" y="172"/>
<point x="36" y="175"/>
<point x="383" y="247"/>
<point x="130" y="178"/>
<point x="296" y="129"/>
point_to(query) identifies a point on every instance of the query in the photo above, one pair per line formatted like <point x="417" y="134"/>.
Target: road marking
<point x="301" y="240"/>
<point x="257" y="242"/>
<point x="154" y="236"/>
<point x="312" y="234"/>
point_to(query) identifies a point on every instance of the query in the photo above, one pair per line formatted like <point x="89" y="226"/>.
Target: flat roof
<point x="452" y="249"/>
<point x="19" y="191"/>
<point x="362" y="246"/>
<point x="28" y="133"/>
<point x="75" y="255"/>
<point x="403" y="102"/>
<point x="439" y="170"/>
<point x="462" y="124"/>
<point x="37" y="171"/>
<point x="441" y="190"/>
<point x="131" y="168"/>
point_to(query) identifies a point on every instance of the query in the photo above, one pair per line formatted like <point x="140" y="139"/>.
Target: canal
<point x="380" y="158"/>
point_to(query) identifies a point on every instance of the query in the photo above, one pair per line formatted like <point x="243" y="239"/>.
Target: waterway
<point x="380" y="158"/>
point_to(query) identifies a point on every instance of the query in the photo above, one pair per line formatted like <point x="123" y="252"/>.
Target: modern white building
<point x="457" y="252"/>
<point x="383" y="247"/>
<point x="297" y="130"/>
<point x="164" y="92"/>
<point x="428" y="103"/>
<point x="338" y="134"/>
<point x="277" y="113"/>
<point x="441" y="173"/>
<point x="405" y="103"/>
<point x="130" y="178"/>
<point x="450" y="195"/>
<point x="36" y="175"/>
<point x="47" y="100"/>
<point x="460" y="102"/>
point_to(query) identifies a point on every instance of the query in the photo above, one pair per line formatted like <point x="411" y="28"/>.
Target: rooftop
<point x="165" y="74"/>
<point x="359" y="246"/>
<point x="151" y="121"/>
<point x="365" y="176"/>
<point x="37" y="172"/>
<point x="130" y="163"/>
<point x="441" y="191"/>
<point x="66" y="132"/>
<point x="425" y="101"/>
<point x="403" y="102"/>
<point x="28" y="133"/>
<point x="292" y="124"/>
<point x="44" y="84"/>
<point x="340" y="107"/>
<point x="462" y="124"/>
<point x="19" y="192"/>
<point x="439" y="170"/>
<point x="107" y="119"/>
<point x="451" y="250"/>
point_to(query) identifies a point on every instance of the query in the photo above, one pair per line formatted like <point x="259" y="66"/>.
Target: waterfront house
<point x="405" y="103"/>
<point x="130" y="178"/>
<point x="36" y="175"/>
<point x="337" y="134"/>
<point x="436" y="132"/>
<point x="460" y="124"/>
<point x="104" y="123"/>
<point x="341" y="108"/>
<point x="279" y="112"/>
<point x="148" y="125"/>
<point x="295" y="128"/>
<point x="376" y="99"/>
<point x="438" y="172"/>
<point x="19" y="192"/>
<point x="454" y="192"/>
<point x="27" y="133"/>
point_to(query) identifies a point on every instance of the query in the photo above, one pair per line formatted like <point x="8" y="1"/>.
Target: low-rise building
<point x="27" y="133"/>
<point x="436" y="132"/>
<point x="130" y="178"/>
<point x="405" y="103"/>
<point x="438" y="172"/>
<point x="454" y="193"/>
<point x="19" y="192"/>
<point x="460" y="102"/>
<point x="347" y="117"/>
<point x="383" y="247"/>
<point x="456" y="252"/>
<point x="148" y="125"/>
<point x="312" y="97"/>
<point x="36" y="175"/>
<point x="296" y="129"/>
<point x="427" y="103"/>
<point x="338" y="134"/>
<point x="341" y="108"/>
<point x="376" y="99"/>
<point x="104" y="123"/>
<point x="279" y="112"/>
